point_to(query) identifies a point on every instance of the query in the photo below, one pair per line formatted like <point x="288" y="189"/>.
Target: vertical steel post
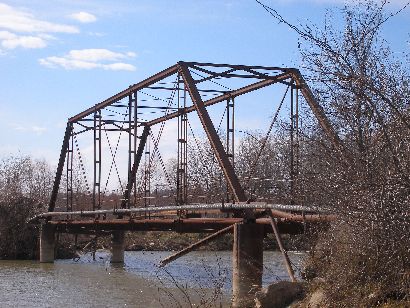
<point x="230" y="137"/>
<point x="97" y="161"/>
<point x="99" y="158"/>
<point x="182" y="189"/>
<point x="178" y="179"/>
<point x="233" y="131"/>
<point x="182" y="153"/>
<point x="292" y="171"/>
<point x="134" y="175"/>
<point x="131" y="144"/>
<point x="127" y="204"/>
<point x="94" y="158"/>
<point x="297" y="145"/>
<point x="147" y="177"/>
<point x="185" y="152"/>
<point x="294" y="143"/>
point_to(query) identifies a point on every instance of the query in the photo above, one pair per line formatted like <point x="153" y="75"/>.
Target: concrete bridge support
<point x="47" y="243"/>
<point x="117" y="247"/>
<point x="247" y="263"/>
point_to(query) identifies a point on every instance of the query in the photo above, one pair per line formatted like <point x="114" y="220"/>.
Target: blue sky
<point x="58" y="58"/>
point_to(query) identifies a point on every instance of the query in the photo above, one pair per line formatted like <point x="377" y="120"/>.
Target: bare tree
<point x="25" y="185"/>
<point x="364" y="90"/>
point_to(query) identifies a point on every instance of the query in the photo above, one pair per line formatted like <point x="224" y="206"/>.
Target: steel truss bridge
<point x="136" y="117"/>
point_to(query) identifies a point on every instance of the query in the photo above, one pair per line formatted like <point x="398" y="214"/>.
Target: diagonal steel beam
<point x="131" y="180"/>
<point x="319" y="113"/>
<point x="195" y="245"/>
<point x="60" y="167"/>
<point x="275" y="230"/>
<point x="145" y="83"/>
<point x="213" y="137"/>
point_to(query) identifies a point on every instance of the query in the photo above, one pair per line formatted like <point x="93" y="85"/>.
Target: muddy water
<point x="195" y="278"/>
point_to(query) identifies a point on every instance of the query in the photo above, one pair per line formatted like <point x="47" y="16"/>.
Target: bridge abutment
<point x="47" y="243"/>
<point x="247" y="263"/>
<point x="117" y="247"/>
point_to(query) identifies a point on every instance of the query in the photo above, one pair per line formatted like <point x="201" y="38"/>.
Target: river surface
<point x="197" y="279"/>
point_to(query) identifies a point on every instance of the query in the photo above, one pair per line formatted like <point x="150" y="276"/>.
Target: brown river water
<point x="195" y="280"/>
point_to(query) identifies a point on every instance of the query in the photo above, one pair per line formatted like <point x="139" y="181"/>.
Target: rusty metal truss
<point x="184" y="88"/>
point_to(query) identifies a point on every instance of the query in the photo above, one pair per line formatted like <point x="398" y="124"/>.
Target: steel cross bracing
<point x="174" y="93"/>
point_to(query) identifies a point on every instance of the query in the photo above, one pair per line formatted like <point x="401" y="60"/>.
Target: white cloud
<point x="67" y="63"/>
<point x="19" y="21"/>
<point x="47" y="36"/>
<point x="95" y="55"/>
<point x="83" y="17"/>
<point x="10" y="40"/>
<point x="6" y="35"/>
<point x="90" y="59"/>
<point x="17" y="25"/>
<point x="119" y="67"/>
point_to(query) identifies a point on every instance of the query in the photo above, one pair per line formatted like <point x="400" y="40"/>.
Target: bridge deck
<point x="183" y="225"/>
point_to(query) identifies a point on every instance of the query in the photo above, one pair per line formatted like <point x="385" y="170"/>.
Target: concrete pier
<point x="47" y="243"/>
<point x="117" y="247"/>
<point x="247" y="263"/>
